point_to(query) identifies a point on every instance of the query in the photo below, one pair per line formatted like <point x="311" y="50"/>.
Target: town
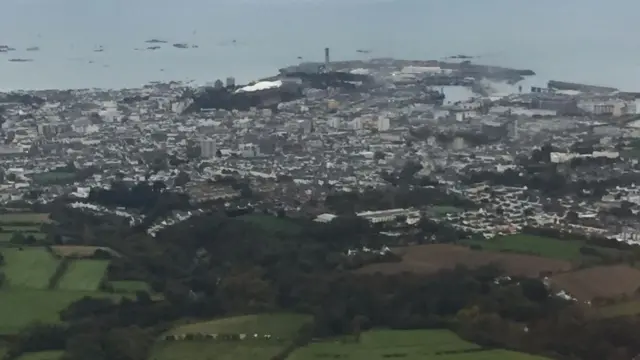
<point x="175" y="202"/>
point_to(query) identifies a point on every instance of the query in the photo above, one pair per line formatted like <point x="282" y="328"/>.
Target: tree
<point x="17" y="238"/>
<point x="85" y="345"/>
<point x="572" y="217"/>
<point x="181" y="179"/>
<point x="193" y="151"/>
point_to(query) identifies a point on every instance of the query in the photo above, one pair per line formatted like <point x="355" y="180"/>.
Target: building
<point x="334" y="122"/>
<point x="614" y="107"/>
<point x="249" y="150"/>
<point x="327" y="59"/>
<point x="388" y="215"/>
<point x="383" y="124"/>
<point x="231" y="82"/>
<point x="208" y="148"/>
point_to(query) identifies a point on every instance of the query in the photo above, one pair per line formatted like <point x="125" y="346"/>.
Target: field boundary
<point x="59" y="273"/>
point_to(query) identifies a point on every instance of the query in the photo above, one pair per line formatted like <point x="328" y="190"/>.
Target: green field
<point x="443" y="210"/>
<point x="628" y="308"/>
<point x="407" y="344"/>
<point x="5" y="237"/>
<point x="83" y="275"/>
<point x="282" y="327"/>
<point x="278" y="325"/>
<point x="20" y="307"/>
<point x="211" y="350"/>
<point x="538" y="245"/>
<point x="130" y="286"/>
<point x="30" y="267"/>
<point x="27" y="217"/>
<point x="272" y="223"/>
<point x="42" y="355"/>
<point x="22" y="228"/>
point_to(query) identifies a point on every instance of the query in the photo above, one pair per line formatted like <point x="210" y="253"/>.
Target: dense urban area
<point x="381" y="209"/>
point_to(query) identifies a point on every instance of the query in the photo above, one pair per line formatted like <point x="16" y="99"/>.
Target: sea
<point x="101" y="43"/>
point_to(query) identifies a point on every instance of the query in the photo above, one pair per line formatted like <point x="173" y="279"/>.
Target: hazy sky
<point x="588" y="40"/>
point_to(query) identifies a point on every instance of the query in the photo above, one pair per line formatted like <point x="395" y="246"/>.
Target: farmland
<point x="26" y="217"/>
<point x="20" y="307"/>
<point x="210" y="350"/>
<point x="25" y="223"/>
<point x="407" y="344"/>
<point x="129" y="286"/>
<point x="30" y="267"/>
<point x="284" y="325"/>
<point x="42" y="355"/>
<point x="626" y="308"/>
<point x="431" y="258"/>
<point x="595" y="282"/>
<point x="272" y="223"/>
<point x="83" y="275"/>
<point x="535" y="245"/>
<point x="280" y="326"/>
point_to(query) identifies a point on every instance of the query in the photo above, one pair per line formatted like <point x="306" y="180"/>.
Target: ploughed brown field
<point x="431" y="258"/>
<point x="601" y="281"/>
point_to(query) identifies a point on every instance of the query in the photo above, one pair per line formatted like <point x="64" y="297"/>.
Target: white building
<point x="387" y="215"/>
<point x="208" y="148"/>
<point x="357" y="124"/>
<point x="334" y="122"/>
<point x="383" y="124"/>
<point x="249" y="150"/>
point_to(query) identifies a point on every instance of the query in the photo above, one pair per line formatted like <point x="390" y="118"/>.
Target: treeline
<point x="152" y="199"/>
<point x="402" y="197"/>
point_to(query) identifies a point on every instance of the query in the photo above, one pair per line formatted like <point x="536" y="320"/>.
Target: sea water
<point x="591" y="41"/>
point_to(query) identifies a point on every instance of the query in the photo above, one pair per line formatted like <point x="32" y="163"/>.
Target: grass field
<point x="210" y="350"/>
<point x="272" y="223"/>
<point x="407" y="344"/>
<point x="283" y="326"/>
<point x="84" y="275"/>
<point x="538" y="245"/>
<point x="130" y="286"/>
<point x="6" y="236"/>
<point x="428" y="259"/>
<point x="24" y="229"/>
<point x="30" y="267"/>
<point x="20" y="307"/>
<point x="27" y="217"/>
<point x="278" y="325"/>
<point x="627" y="308"/>
<point x="42" y="355"/>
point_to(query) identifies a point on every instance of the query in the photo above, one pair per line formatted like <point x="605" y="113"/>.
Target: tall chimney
<point x="327" y="60"/>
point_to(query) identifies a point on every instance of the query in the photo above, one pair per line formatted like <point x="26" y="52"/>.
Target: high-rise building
<point x="208" y="148"/>
<point x="231" y="82"/>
